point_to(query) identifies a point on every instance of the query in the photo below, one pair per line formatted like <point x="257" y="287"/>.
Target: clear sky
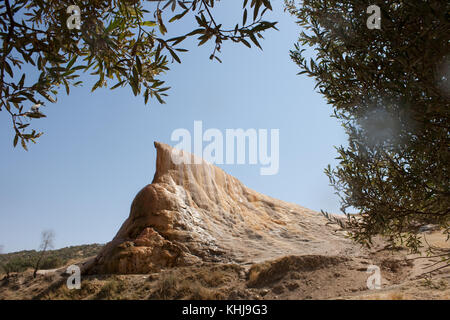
<point x="97" y="151"/>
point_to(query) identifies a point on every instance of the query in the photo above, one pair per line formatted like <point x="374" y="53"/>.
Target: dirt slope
<point x="288" y="277"/>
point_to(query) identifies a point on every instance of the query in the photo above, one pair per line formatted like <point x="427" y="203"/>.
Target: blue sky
<point x="97" y="151"/>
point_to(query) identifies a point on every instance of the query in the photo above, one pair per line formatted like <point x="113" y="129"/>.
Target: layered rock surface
<point x="196" y="212"/>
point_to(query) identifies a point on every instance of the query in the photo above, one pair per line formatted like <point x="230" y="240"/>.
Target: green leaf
<point x="162" y="29"/>
<point x="138" y="65"/>
<point x="253" y="38"/>
<point x="174" y="55"/>
<point x="96" y="85"/>
<point x="203" y="39"/>
<point x="179" y="16"/>
<point x="22" y="80"/>
<point x="160" y="100"/>
<point x="70" y="64"/>
<point x="66" y="84"/>
<point x="246" y="43"/>
<point x="24" y="145"/>
<point x="146" y="94"/>
<point x="196" y="31"/>
<point x="8" y="69"/>
<point x="176" y="40"/>
<point x="149" y="23"/>
<point x="267" y="4"/>
<point x="118" y="84"/>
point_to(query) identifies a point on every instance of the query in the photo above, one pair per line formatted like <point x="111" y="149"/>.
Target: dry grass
<point x="166" y="287"/>
<point x="169" y="286"/>
<point x="290" y="277"/>
<point x="396" y="296"/>
<point x="268" y="272"/>
<point x="111" y="290"/>
<point x="199" y="283"/>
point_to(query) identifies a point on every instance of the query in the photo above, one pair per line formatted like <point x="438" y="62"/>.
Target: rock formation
<point x="196" y="212"/>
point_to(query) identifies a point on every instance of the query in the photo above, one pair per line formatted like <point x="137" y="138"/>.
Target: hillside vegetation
<point x="22" y="260"/>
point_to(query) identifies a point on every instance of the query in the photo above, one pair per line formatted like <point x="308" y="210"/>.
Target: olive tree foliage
<point x="390" y="90"/>
<point x="121" y="42"/>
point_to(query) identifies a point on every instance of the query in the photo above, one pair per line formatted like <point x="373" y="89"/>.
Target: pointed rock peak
<point x="178" y="167"/>
<point x="170" y="160"/>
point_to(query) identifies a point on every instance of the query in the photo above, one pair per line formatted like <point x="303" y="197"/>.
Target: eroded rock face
<point x="196" y="212"/>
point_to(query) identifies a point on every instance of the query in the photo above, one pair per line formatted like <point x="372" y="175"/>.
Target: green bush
<point x="51" y="263"/>
<point x="16" y="265"/>
<point x="111" y="290"/>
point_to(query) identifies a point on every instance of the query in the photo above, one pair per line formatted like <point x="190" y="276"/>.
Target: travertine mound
<point x="196" y="212"/>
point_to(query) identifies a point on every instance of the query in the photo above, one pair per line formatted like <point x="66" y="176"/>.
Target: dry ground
<point x="290" y="277"/>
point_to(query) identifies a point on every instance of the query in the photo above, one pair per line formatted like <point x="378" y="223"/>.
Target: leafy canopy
<point x="121" y="42"/>
<point x="390" y="90"/>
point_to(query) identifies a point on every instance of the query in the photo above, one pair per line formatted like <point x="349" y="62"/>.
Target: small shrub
<point x="197" y="291"/>
<point x="110" y="289"/>
<point x="51" y="263"/>
<point x="166" y="286"/>
<point x="16" y="265"/>
<point x="215" y="278"/>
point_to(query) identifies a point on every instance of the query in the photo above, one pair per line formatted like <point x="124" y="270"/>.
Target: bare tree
<point x="47" y="238"/>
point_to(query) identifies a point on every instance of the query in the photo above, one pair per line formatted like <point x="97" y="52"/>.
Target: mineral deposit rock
<point x="196" y="212"/>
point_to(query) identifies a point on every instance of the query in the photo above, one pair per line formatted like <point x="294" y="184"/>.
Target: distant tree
<point x="390" y="90"/>
<point x="47" y="238"/>
<point x="116" y="40"/>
